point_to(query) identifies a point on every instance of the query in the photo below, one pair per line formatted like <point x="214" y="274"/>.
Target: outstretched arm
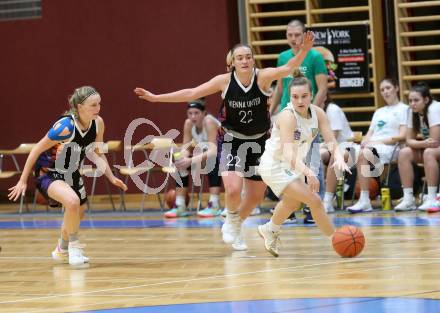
<point x="20" y="188"/>
<point x="216" y="84"/>
<point x="108" y="172"/>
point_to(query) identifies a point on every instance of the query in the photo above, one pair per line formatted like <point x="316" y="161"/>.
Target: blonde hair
<point x="78" y="97"/>
<point x="229" y="61"/>
<point x="230" y="55"/>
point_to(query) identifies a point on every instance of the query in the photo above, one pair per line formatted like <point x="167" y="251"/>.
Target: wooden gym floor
<point x="143" y="263"/>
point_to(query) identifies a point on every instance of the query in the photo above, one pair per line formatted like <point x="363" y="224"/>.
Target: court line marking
<point x="180" y="281"/>
<point x="241" y="286"/>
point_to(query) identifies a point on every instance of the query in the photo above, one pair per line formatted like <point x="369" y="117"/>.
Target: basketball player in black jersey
<point x="58" y="156"/>
<point x="245" y="122"/>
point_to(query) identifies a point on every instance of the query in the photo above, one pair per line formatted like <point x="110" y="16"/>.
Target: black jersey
<point x="244" y="109"/>
<point x="72" y="151"/>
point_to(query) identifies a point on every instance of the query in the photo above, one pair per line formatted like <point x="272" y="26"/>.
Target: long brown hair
<point x="423" y="89"/>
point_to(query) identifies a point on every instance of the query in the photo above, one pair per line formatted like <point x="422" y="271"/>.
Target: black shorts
<point x="44" y="181"/>
<point x="240" y="155"/>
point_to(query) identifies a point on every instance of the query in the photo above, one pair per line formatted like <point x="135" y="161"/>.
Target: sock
<point x="214" y="199"/>
<point x="365" y="196"/>
<point x="73" y="237"/>
<point x="64" y="244"/>
<point x="328" y="197"/>
<point x="273" y="227"/>
<point x="180" y="201"/>
<point x="432" y="191"/>
<point x="408" y="194"/>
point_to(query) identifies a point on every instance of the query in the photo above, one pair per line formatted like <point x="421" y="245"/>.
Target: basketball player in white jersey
<point x="282" y="165"/>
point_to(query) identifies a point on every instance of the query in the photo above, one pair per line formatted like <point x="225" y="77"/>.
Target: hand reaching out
<point x="144" y="94"/>
<point x="119" y="183"/>
<point x="309" y="39"/>
<point x="17" y="191"/>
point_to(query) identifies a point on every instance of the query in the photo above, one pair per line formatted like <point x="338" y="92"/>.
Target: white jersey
<point x="202" y="137"/>
<point x="387" y="120"/>
<point x="305" y="132"/>
<point x="276" y="172"/>
<point x="338" y="122"/>
<point x="433" y="119"/>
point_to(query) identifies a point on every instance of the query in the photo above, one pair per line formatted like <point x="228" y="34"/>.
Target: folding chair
<point x="127" y="171"/>
<point x="113" y="146"/>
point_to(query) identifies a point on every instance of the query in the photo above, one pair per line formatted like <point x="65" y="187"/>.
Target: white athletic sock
<point x="180" y="201"/>
<point x="408" y="193"/>
<point x="273" y="227"/>
<point x="328" y="197"/>
<point x="214" y="199"/>
<point x="365" y="196"/>
<point x="432" y="191"/>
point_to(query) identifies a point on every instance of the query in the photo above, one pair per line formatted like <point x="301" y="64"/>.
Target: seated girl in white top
<point x="282" y="164"/>
<point x="343" y="133"/>
<point x="200" y="128"/>
<point x="387" y="129"/>
<point x="423" y="119"/>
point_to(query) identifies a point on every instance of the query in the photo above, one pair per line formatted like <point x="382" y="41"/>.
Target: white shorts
<point x="276" y="174"/>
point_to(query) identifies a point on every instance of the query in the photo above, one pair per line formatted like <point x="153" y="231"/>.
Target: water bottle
<point x="340" y="188"/>
<point x="177" y="156"/>
<point x="340" y="193"/>
<point x="385" y="197"/>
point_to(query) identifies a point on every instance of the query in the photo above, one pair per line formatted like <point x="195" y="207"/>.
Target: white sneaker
<point x="427" y="204"/>
<point x="406" y="205"/>
<point x="256" y="211"/>
<point x="76" y="256"/>
<point x="360" y="206"/>
<point x="239" y="244"/>
<point x="231" y="227"/>
<point x="59" y="254"/>
<point x="271" y="239"/>
<point x="328" y="206"/>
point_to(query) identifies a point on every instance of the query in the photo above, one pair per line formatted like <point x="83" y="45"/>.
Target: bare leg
<point x="297" y="191"/>
<point x="233" y="184"/>
<point x="63" y="193"/>
<point x="431" y="160"/>
<point x="405" y="161"/>
<point x="64" y="233"/>
<point x="254" y="195"/>
<point x="362" y="163"/>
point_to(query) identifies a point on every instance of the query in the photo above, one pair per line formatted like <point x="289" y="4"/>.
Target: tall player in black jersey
<point x="245" y="122"/>
<point x="58" y="156"/>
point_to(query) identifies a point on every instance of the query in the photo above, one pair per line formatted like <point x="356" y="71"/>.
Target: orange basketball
<point x="348" y="241"/>
<point x="373" y="187"/>
<point x="170" y="198"/>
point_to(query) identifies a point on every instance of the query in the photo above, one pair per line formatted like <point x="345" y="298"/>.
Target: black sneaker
<point x="291" y="218"/>
<point x="308" y="219"/>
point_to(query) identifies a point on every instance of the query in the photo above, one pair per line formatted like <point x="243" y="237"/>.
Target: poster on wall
<point x="345" y="51"/>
